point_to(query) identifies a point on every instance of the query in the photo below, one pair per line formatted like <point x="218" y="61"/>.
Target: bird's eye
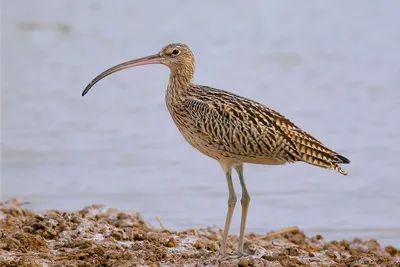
<point x="175" y="52"/>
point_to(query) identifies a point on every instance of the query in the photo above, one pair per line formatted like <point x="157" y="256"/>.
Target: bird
<point x="230" y="128"/>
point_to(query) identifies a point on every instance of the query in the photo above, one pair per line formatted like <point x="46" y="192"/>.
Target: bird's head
<point x="178" y="57"/>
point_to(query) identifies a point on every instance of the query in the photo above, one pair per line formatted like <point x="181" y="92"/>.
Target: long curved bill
<point x="153" y="59"/>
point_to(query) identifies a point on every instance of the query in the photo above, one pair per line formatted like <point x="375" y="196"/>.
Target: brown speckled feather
<point x="224" y="125"/>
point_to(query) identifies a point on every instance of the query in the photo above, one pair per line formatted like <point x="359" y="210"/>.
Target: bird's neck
<point x="180" y="80"/>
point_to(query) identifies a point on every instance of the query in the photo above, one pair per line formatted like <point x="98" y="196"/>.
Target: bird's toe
<point x="241" y="253"/>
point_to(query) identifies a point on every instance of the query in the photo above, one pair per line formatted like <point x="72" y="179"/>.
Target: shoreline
<point x="101" y="236"/>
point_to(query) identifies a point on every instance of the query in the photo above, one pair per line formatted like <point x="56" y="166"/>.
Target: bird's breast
<point x="190" y="130"/>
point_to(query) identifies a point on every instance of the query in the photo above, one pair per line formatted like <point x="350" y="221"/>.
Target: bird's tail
<point x="308" y="149"/>
<point x="315" y="153"/>
<point x="343" y="160"/>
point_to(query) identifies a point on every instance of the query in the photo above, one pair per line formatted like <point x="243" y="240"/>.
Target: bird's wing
<point x="239" y="130"/>
<point x="250" y="128"/>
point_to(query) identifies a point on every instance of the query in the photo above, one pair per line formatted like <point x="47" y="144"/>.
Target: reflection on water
<point x="335" y="76"/>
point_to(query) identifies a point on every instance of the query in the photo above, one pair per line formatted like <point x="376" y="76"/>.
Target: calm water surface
<point x="333" y="67"/>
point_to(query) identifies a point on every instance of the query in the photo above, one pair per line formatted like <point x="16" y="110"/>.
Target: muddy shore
<point x="100" y="236"/>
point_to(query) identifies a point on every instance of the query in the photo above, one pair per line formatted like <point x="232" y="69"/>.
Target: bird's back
<point x="226" y="126"/>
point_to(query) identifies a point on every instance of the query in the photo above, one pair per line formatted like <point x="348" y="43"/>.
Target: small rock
<point x="198" y="244"/>
<point x="251" y="262"/>
<point x="345" y="244"/>
<point x="122" y="216"/>
<point x="212" y="246"/>
<point x="243" y="262"/>
<point x="391" y="250"/>
<point x="39" y="217"/>
<point x="139" y="236"/>
<point x="171" y="243"/>
<point x="99" y="250"/>
<point x="293" y="251"/>
<point x="118" y="235"/>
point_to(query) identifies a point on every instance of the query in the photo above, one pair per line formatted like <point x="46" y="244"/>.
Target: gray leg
<point x="245" y="206"/>
<point x="231" y="206"/>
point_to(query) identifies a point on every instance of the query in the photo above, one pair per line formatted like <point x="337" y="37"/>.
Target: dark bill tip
<point x="87" y="89"/>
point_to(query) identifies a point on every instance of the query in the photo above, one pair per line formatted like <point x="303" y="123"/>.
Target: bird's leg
<point x="245" y="201"/>
<point x="231" y="206"/>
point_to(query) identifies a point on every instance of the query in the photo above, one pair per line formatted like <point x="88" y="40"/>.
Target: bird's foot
<point x="226" y="256"/>
<point x="241" y="253"/>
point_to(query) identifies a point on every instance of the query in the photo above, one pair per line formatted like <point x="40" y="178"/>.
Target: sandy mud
<point x="100" y="236"/>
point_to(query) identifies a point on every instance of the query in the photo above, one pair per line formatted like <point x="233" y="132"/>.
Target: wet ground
<point x="101" y="236"/>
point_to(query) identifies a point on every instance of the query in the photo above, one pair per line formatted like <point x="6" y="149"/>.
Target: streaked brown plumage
<point x="230" y="128"/>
